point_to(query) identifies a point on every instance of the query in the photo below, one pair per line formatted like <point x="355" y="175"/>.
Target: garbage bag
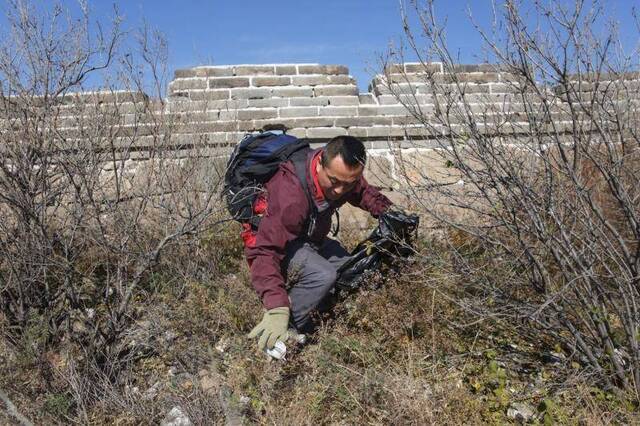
<point x="392" y="238"/>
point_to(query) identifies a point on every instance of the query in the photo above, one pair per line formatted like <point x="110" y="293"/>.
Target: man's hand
<point x="272" y="328"/>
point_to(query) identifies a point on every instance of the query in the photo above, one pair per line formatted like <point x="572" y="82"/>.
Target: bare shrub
<point x="94" y="186"/>
<point x="544" y="174"/>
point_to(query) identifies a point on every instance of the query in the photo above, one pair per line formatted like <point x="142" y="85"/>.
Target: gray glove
<point x="272" y="328"/>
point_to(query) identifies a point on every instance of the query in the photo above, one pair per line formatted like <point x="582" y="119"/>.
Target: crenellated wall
<point x="319" y="101"/>
<point x="216" y="105"/>
<point x="213" y="107"/>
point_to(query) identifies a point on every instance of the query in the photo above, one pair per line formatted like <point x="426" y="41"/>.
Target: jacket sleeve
<point x="287" y="208"/>
<point x="369" y="198"/>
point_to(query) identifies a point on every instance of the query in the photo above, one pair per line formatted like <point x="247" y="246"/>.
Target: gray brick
<point x="286" y="70"/>
<point x="603" y="76"/>
<point x="257" y="114"/>
<point x="485" y="97"/>
<point x="504" y="88"/>
<point x="322" y="101"/>
<point x="429" y="67"/>
<point x="413" y="67"/>
<point x="188" y="72"/>
<point x="379" y="170"/>
<point x="289" y="123"/>
<point x="313" y="122"/>
<point x="322" y="69"/>
<point x="343" y="100"/>
<point x="476" y="88"/>
<point x="385" y="131"/>
<point x="310" y="69"/>
<point x="207" y="127"/>
<point x="408" y="99"/>
<point x="403" y="121"/>
<point x="127" y="96"/>
<point x="234" y="137"/>
<point x="226" y="71"/>
<point x="311" y="111"/>
<point x="260" y="124"/>
<point x="271" y="81"/>
<point x="325" y="133"/>
<point x="188" y="83"/>
<point x="397" y="88"/>
<point x="475" y="77"/>
<point x="309" y="80"/>
<point x="340" y="111"/>
<point x="475" y="68"/>
<point x="429" y="90"/>
<point x="341" y="79"/>
<point x="363" y="121"/>
<point x="250" y="93"/>
<point x="382" y="110"/>
<point x="336" y="69"/>
<point x="250" y="125"/>
<point x="357" y="132"/>
<point x="131" y="108"/>
<point x="173" y="94"/>
<point x="465" y="88"/>
<point x="466" y="68"/>
<point x="269" y="102"/>
<point x="365" y="111"/>
<point x="228" y="82"/>
<point x="193" y="116"/>
<point x="254" y="70"/>
<point x="394" y="68"/>
<point x="314" y="80"/>
<point x="209" y="95"/>
<point x="197" y="139"/>
<point x="519" y="80"/>
<point x="228" y="115"/>
<point x="177" y="106"/>
<point x="298" y="132"/>
<point x="204" y="72"/>
<point x="337" y="90"/>
<point x="378" y="87"/>
<point x="402" y="78"/>
<point x="292" y="92"/>
<point x="423" y="109"/>
<point x="366" y="99"/>
<point x="228" y="104"/>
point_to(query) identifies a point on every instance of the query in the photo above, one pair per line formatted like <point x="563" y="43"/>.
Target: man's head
<point x="340" y="166"/>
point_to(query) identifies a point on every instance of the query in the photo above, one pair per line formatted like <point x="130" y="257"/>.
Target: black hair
<point x="350" y="149"/>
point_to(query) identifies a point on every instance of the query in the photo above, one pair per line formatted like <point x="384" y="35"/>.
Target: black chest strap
<point x="299" y="160"/>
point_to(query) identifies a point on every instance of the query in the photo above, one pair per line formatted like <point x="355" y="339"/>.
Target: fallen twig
<point x="13" y="411"/>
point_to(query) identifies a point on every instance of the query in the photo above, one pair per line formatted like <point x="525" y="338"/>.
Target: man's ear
<point x="323" y="158"/>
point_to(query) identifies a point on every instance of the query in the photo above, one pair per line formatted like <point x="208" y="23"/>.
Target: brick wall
<point x="212" y="107"/>
<point x="319" y="101"/>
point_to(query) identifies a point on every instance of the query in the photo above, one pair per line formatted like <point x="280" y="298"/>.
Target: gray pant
<point x="311" y="273"/>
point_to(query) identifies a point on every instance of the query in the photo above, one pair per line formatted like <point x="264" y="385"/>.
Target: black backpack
<point x="253" y="162"/>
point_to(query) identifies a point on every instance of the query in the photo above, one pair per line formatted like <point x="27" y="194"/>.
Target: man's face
<point x="337" y="178"/>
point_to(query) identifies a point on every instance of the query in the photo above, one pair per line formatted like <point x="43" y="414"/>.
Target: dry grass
<point x="407" y="353"/>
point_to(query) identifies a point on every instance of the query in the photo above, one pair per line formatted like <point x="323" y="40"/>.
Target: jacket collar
<point x="318" y="197"/>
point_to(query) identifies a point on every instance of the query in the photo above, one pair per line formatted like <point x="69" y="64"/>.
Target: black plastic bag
<point x="392" y="238"/>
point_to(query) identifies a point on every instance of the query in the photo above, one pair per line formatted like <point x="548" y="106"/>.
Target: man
<point x="292" y="242"/>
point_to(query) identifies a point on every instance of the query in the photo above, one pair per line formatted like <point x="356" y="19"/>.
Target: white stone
<point x="176" y="417"/>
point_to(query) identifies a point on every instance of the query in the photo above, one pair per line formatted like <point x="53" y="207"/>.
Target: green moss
<point x="58" y="404"/>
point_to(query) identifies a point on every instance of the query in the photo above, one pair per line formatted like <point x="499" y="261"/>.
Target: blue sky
<point x="347" y="32"/>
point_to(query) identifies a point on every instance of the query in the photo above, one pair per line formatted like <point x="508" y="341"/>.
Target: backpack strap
<point x="299" y="160"/>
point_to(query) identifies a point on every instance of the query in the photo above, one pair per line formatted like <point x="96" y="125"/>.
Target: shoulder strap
<point x="299" y="160"/>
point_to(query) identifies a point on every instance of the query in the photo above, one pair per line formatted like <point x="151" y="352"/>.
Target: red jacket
<point x="285" y="220"/>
